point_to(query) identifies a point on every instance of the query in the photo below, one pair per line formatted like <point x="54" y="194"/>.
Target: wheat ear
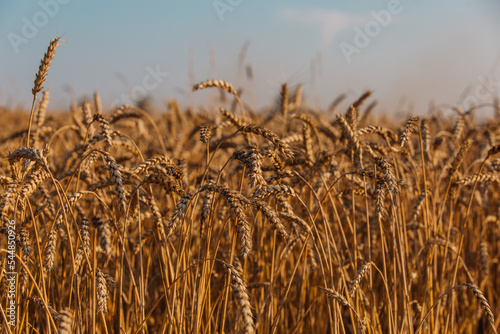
<point x="242" y="298"/>
<point x="40" y="77"/>
<point x="41" y="111"/>
<point x="409" y="129"/>
<point x="102" y="292"/>
<point x="358" y="277"/>
<point x="483" y="302"/>
<point x="65" y="326"/>
<point x="269" y="135"/>
<point x="236" y="202"/>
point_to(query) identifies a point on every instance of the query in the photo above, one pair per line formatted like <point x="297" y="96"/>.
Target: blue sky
<point x="408" y="52"/>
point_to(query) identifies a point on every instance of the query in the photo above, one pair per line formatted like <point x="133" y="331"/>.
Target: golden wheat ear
<point x="215" y="83"/>
<point x="228" y="87"/>
<point x="40" y="77"/>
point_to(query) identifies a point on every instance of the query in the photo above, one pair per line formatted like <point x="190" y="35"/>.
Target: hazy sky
<point x="408" y="52"/>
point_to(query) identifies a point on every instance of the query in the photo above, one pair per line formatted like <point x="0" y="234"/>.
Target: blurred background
<point x="410" y="53"/>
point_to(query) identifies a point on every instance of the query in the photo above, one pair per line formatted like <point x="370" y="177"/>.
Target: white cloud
<point x="328" y="24"/>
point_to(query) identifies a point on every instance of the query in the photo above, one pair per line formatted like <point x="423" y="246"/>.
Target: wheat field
<point x="228" y="220"/>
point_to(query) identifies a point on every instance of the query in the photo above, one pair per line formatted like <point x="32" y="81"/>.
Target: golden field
<point x="227" y="220"/>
